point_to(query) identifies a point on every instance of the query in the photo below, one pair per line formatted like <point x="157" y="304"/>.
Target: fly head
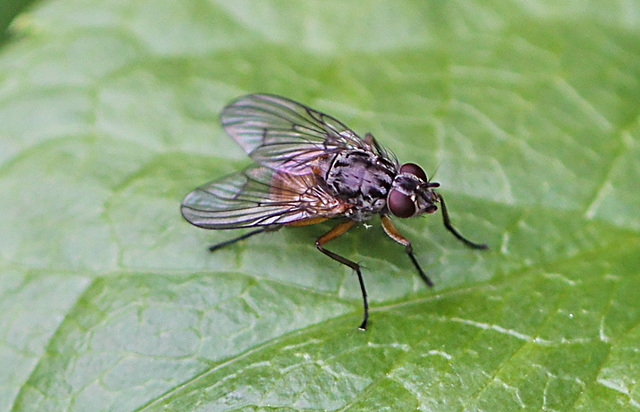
<point x="412" y="193"/>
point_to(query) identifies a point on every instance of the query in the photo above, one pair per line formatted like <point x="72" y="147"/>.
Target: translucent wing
<point x="284" y="135"/>
<point x="258" y="196"/>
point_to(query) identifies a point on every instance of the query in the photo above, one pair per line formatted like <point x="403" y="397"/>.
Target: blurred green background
<point x="529" y="112"/>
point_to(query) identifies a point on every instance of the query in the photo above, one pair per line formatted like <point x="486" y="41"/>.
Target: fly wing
<point x="258" y="196"/>
<point x="284" y="135"/>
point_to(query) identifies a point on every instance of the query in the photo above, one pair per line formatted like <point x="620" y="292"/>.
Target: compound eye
<point x="401" y="205"/>
<point x="413" y="169"/>
<point x="431" y="209"/>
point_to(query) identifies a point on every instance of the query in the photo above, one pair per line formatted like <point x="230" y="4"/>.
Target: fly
<point x="309" y="167"/>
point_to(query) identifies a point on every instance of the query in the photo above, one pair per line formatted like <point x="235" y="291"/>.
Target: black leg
<point x="393" y="233"/>
<point x="220" y="245"/>
<point x="450" y="228"/>
<point x="332" y="234"/>
<point x="424" y="277"/>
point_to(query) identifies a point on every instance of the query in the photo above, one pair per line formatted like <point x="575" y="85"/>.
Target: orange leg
<point x="368" y="138"/>
<point x="338" y="230"/>
<point x="393" y="233"/>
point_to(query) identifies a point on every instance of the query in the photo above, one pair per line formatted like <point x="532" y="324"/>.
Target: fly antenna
<point x="434" y="173"/>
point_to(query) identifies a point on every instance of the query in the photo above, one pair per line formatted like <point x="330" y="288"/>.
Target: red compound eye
<point x="400" y="204"/>
<point x="413" y="169"/>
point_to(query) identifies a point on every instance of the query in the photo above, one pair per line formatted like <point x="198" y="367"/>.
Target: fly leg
<point x="220" y="245"/>
<point x="368" y="138"/>
<point x="338" y="230"/>
<point x="393" y="233"/>
<point x="450" y="228"/>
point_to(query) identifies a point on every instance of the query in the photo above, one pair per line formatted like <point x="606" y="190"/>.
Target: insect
<point x="310" y="167"/>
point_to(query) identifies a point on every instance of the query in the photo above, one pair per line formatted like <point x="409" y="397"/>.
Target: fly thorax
<point x="362" y="180"/>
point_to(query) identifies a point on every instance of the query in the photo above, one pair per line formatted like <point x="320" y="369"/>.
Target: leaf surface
<point x="528" y="113"/>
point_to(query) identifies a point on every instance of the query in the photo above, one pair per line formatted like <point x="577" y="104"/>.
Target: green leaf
<point x="529" y="112"/>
